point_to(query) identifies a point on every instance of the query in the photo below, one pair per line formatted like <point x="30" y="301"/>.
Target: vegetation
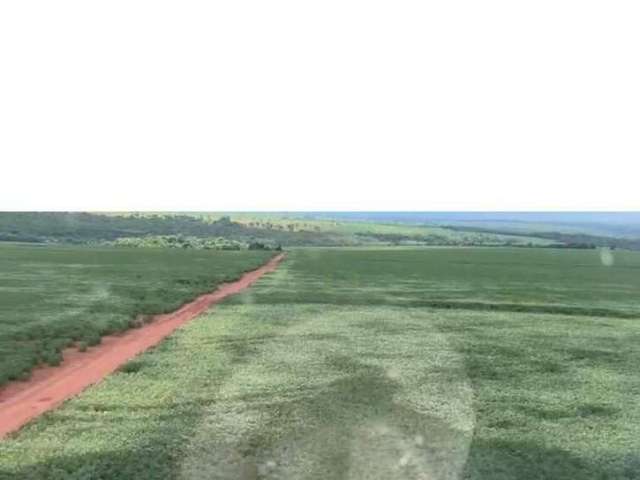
<point x="333" y="367"/>
<point x="321" y="229"/>
<point x="53" y="297"/>
<point x="552" y="229"/>
<point x="602" y="224"/>
<point x="179" y="241"/>
<point x="567" y="240"/>
<point x="87" y="227"/>
<point x="270" y="230"/>
<point x="358" y="232"/>
<point x="574" y="282"/>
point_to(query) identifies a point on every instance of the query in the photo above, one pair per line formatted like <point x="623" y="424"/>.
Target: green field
<point x="529" y="280"/>
<point x="375" y="364"/>
<point x="53" y="297"/>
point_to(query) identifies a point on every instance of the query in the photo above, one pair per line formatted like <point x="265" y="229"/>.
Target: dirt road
<point x="48" y="387"/>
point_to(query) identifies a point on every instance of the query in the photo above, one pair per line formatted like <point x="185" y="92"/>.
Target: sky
<point x="333" y="105"/>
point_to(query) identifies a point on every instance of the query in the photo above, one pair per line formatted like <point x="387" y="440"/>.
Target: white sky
<point x="320" y="105"/>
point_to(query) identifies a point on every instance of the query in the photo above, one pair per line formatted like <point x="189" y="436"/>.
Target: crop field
<point x="442" y="363"/>
<point x="529" y="280"/>
<point x="53" y="297"/>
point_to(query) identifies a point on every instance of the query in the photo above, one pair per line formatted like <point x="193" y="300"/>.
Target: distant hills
<point x="532" y="229"/>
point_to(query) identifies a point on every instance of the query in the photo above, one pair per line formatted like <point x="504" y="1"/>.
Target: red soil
<point x="48" y="386"/>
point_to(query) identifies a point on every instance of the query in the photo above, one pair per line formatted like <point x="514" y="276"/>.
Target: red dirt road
<point x="48" y="387"/>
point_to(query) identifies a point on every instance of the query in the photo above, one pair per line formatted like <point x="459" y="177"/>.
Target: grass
<point x="53" y="297"/>
<point x="330" y="368"/>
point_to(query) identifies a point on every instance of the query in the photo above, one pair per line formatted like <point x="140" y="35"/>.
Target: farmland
<point x="439" y="363"/>
<point x="345" y="232"/>
<point x="53" y="297"/>
<point x="233" y="229"/>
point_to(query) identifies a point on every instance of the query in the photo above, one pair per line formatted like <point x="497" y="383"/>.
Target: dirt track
<point x="48" y="387"/>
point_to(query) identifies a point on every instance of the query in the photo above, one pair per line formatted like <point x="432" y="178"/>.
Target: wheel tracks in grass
<point x="336" y="392"/>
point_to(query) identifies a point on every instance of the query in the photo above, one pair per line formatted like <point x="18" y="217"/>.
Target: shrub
<point x="51" y="357"/>
<point x="131" y="366"/>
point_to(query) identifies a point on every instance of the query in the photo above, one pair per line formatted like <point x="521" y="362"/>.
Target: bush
<point x="92" y="339"/>
<point x="132" y="366"/>
<point x="178" y="241"/>
<point x="51" y="357"/>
